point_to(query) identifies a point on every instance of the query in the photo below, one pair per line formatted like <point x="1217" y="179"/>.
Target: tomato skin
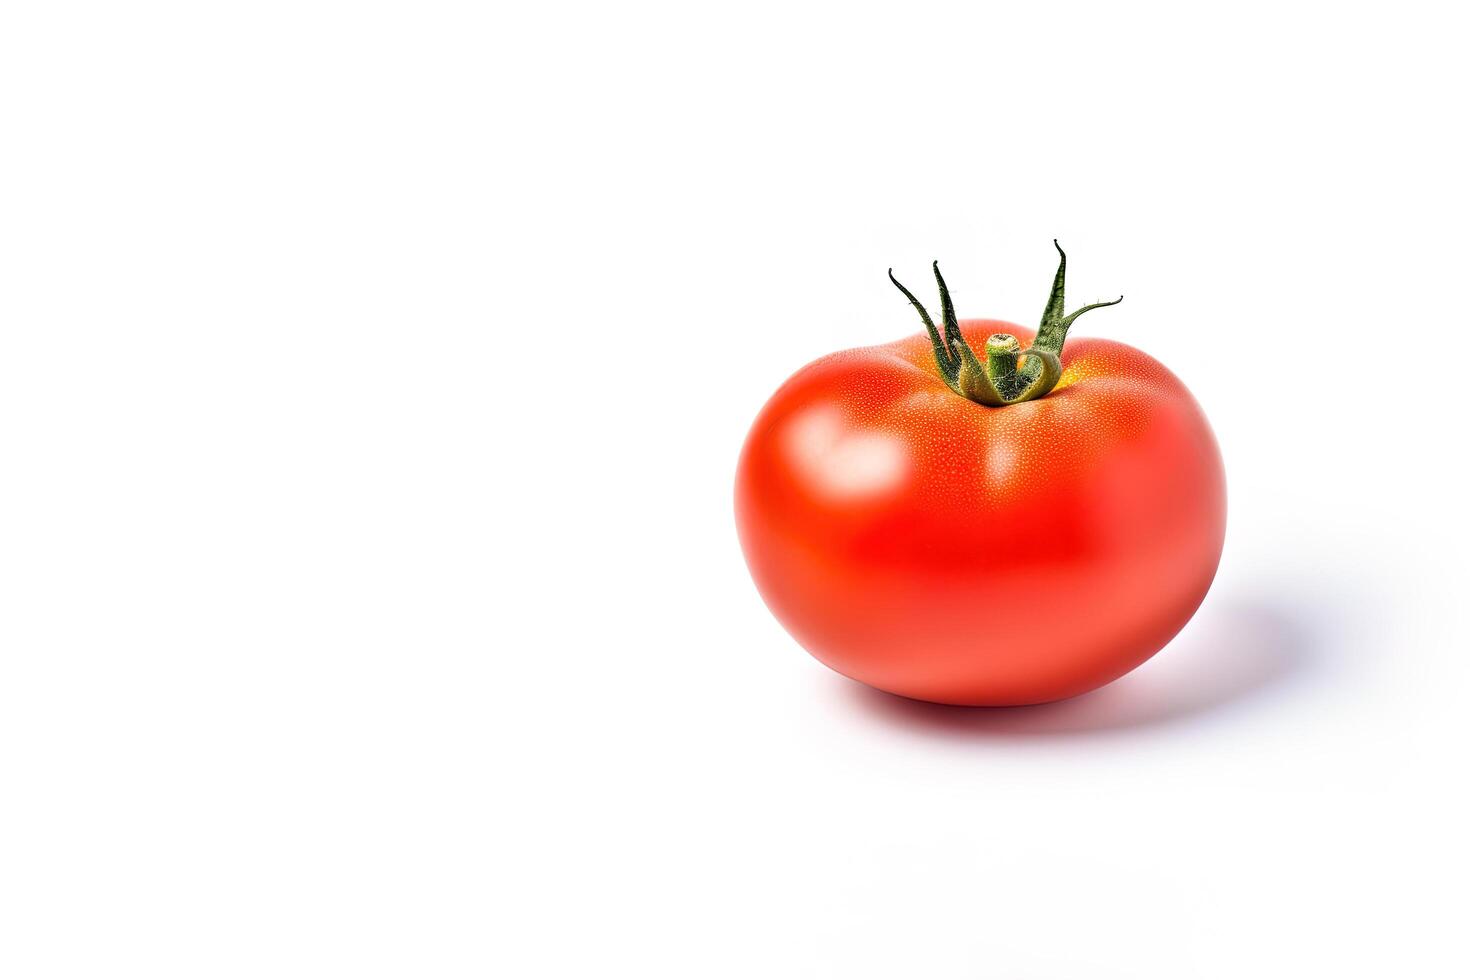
<point x="938" y="549"/>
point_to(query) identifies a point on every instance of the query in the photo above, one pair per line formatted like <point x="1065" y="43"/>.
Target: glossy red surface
<point x="942" y="550"/>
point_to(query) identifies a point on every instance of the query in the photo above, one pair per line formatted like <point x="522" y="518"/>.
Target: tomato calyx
<point x="1008" y="375"/>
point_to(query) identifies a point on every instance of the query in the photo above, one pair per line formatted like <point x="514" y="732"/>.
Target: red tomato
<point x="950" y="551"/>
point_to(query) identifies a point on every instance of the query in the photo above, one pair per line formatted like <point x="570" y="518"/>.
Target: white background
<point x="371" y="383"/>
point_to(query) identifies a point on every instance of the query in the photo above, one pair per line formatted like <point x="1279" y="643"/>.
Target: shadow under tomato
<point x="1234" y="652"/>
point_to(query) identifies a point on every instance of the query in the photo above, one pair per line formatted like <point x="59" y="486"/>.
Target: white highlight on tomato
<point x="1000" y="461"/>
<point x="845" y="462"/>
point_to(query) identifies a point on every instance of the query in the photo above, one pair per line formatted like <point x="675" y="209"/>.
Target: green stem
<point x="1002" y="351"/>
<point x="1008" y="375"/>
